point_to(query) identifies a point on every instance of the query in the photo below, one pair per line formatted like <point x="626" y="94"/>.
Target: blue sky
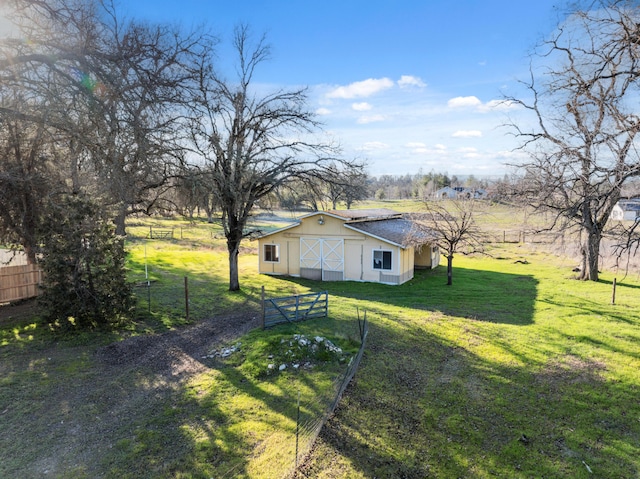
<point x="406" y="84"/>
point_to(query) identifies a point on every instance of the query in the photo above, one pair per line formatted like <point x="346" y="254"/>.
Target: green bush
<point x="84" y="283"/>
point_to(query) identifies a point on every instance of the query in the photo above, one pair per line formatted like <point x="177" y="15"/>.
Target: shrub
<point x="84" y="283"/>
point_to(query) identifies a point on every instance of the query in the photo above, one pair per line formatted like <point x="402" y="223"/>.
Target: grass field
<point x="514" y="371"/>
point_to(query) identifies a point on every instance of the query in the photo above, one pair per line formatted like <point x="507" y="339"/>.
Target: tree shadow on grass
<point x="481" y="295"/>
<point x="422" y="406"/>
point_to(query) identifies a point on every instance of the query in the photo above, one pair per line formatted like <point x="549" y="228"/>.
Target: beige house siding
<point x="427" y="257"/>
<point x="320" y="247"/>
<point x="354" y="260"/>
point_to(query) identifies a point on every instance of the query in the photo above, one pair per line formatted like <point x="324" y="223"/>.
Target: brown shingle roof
<point x="400" y="231"/>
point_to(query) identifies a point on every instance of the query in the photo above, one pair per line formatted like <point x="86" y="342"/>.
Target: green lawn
<point x="516" y="370"/>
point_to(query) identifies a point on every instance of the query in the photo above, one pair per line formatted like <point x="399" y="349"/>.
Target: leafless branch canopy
<point x="582" y="137"/>
<point x="253" y="141"/>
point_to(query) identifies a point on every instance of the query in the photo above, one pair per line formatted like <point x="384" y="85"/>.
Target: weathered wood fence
<point x="294" y="308"/>
<point x="19" y="282"/>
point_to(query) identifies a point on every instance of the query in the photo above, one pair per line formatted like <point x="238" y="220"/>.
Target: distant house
<point x="446" y="193"/>
<point x="378" y="245"/>
<point x="626" y="210"/>
<point x="460" y="192"/>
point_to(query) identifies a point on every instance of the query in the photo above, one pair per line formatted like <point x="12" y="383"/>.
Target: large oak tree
<point x="582" y="142"/>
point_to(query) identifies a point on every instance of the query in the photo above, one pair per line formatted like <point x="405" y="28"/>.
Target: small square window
<point x="382" y="259"/>
<point x="272" y="253"/>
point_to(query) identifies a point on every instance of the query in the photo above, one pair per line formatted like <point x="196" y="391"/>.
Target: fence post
<point x="262" y="307"/>
<point x="297" y="430"/>
<point x="613" y="295"/>
<point x="297" y="305"/>
<point x="326" y="304"/>
<point x="186" y="296"/>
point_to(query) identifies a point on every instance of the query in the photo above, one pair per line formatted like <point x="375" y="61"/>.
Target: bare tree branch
<point x="582" y="144"/>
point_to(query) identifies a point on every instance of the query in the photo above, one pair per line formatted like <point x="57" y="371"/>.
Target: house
<point x="446" y="193"/>
<point x="626" y="210"/>
<point x="378" y="245"/>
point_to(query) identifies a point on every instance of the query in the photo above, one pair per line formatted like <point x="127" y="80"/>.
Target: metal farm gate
<point x="294" y="308"/>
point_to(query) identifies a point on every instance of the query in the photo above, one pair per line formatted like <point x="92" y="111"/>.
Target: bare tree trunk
<point x="119" y="220"/>
<point x="449" y="270"/>
<point x="234" y="249"/>
<point x="30" y="252"/>
<point x="591" y="257"/>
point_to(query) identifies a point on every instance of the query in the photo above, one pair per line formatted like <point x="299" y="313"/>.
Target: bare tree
<point x="347" y="183"/>
<point x="582" y="143"/>
<point x="116" y="89"/>
<point x="27" y="177"/>
<point x="255" y="141"/>
<point x="454" y="221"/>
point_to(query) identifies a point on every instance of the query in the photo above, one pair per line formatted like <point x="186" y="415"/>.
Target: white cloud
<point x="498" y="105"/>
<point x="410" y="80"/>
<point x="363" y="120"/>
<point x="464" y="102"/>
<point x="417" y="147"/>
<point x="374" y="145"/>
<point x="323" y="111"/>
<point x="467" y="134"/>
<point x="364" y="106"/>
<point x="361" y="89"/>
<point x="468" y="149"/>
<point x="440" y="147"/>
<point x="474" y="102"/>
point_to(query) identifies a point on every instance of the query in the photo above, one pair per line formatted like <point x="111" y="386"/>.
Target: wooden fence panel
<point x="19" y="282"/>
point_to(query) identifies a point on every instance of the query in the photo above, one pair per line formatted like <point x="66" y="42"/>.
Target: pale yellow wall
<point x="289" y="241"/>
<point x="354" y="260"/>
<point x="427" y="257"/>
<point x="287" y="252"/>
<point x="358" y="251"/>
<point x="359" y="260"/>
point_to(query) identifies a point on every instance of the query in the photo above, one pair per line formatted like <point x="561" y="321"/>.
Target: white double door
<point x="323" y="254"/>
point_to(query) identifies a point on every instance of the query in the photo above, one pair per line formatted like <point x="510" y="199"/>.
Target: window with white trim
<point x="381" y="259"/>
<point x="272" y="253"/>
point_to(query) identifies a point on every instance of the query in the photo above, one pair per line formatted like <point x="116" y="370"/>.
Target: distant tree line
<point x="419" y="185"/>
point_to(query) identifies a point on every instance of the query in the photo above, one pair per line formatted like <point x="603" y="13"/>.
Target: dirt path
<point x="88" y="400"/>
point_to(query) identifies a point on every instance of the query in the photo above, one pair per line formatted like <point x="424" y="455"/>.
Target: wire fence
<point x="526" y="236"/>
<point x="308" y="424"/>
